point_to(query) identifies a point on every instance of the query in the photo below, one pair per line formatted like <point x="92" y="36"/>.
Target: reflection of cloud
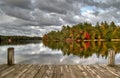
<point x="39" y="54"/>
<point x="59" y="59"/>
<point x="117" y="58"/>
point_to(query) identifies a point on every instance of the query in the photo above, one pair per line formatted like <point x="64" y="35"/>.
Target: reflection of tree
<point x="84" y="49"/>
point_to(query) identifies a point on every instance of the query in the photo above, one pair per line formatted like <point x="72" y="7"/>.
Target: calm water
<point x="61" y="53"/>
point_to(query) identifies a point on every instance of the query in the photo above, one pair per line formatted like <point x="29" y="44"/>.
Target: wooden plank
<point x="1" y="66"/>
<point x="45" y="74"/>
<point x="31" y="71"/>
<point x="117" y="67"/>
<point x="51" y="71"/>
<point x="103" y="70"/>
<point x="96" y="75"/>
<point x="93" y="74"/>
<point x="71" y="72"/>
<point x="41" y="71"/>
<point x="59" y="71"/>
<point x="56" y="72"/>
<point x="111" y="70"/>
<point x="67" y="72"/>
<point x="16" y="67"/>
<point x="82" y="70"/>
<point x="96" y="69"/>
<point x="63" y="71"/>
<point x="107" y="71"/>
<point x="18" y="71"/>
<point x="77" y="72"/>
<point x="4" y="67"/>
<point x="7" y="70"/>
<point x="86" y="71"/>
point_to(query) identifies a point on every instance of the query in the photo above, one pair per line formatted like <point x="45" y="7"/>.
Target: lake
<point x="84" y="53"/>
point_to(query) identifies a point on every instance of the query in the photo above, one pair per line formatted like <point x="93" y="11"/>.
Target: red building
<point x="87" y="36"/>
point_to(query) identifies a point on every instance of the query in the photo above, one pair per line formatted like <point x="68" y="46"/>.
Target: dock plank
<point x="4" y="67"/>
<point x="19" y="70"/>
<point x="77" y="72"/>
<point x="31" y="72"/>
<point x="51" y="71"/>
<point x="111" y="70"/>
<point x="66" y="72"/>
<point x="41" y="72"/>
<point x="98" y="71"/>
<point x="117" y="69"/>
<point x="59" y="71"/>
<point x="8" y="70"/>
<point x="87" y="71"/>
<point x="1" y="66"/>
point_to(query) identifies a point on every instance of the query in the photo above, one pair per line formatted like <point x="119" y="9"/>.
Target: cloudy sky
<point x="37" y="17"/>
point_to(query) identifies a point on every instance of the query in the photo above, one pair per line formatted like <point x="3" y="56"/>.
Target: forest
<point x="85" y="31"/>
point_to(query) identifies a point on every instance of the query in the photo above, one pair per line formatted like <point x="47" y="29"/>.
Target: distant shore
<point x="18" y="39"/>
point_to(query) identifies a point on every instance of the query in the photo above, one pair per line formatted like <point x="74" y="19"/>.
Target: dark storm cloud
<point x="19" y="3"/>
<point x="63" y="7"/>
<point x="104" y="4"/>
<point x="21" y="14"/>
<point x="34" y="16"/>
<point x="50" y="6"/>
<point x="15" y="12"/>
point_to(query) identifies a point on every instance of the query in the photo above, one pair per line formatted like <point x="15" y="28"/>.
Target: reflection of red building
<point x="87" y="44"/>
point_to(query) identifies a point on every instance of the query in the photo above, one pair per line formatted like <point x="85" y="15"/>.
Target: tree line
<point x="101" y="30"/>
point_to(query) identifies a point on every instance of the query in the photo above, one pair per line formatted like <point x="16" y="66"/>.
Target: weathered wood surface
<point x="59" y="71"/>
<point x="111" y="57"/>
<point x="10" y="58"/>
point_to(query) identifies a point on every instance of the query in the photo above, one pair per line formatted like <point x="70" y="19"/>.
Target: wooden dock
<point x="11" y="70"/>
<point x="59" y="71"/>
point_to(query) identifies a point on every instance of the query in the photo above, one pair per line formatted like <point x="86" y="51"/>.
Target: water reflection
<point x="84" y="49"/>
<point x="61" y="53"/>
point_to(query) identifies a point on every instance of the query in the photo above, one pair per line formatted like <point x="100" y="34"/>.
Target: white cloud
<point x="8" y="20"/>
<point x="27" y="13"/>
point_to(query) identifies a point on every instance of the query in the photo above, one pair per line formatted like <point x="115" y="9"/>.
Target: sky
<point x="38" y="17"/>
